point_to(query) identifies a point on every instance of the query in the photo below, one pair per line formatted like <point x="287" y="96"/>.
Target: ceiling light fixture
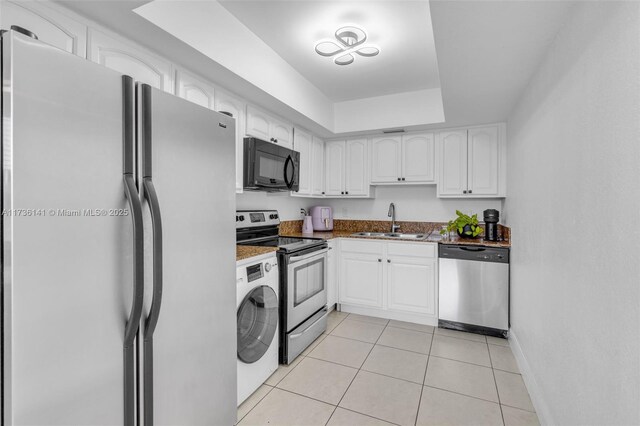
<point x="350" y="40"/>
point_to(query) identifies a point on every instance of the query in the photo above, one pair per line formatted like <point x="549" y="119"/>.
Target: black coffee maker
<point x="491" y="218"/>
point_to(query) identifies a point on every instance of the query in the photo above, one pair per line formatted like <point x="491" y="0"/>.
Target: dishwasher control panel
<point x="470" y="252"/>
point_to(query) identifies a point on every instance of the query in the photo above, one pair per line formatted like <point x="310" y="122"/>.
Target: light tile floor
<point x="371" y="371"/>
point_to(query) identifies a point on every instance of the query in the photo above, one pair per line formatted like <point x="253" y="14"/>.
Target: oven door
<point x="306" y="283"/>
<point x="270" y="167"/>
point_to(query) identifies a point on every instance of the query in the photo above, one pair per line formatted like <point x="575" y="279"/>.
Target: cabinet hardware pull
<point x="403" y="179"/>
<point x="388" y="260"/>
<point x="464" y="192"/>
<point x="469" y="191"/>
<point x="342" y="192"/>
<point x="346" y="192"/>
<point x="379" y="260"/>
<point x="399" y="179"/>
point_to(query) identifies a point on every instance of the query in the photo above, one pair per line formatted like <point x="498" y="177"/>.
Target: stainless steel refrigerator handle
<point x="133" y="322"/>
<point x="296" y="259"/>
<point x="156" y="225"/>
<point x="131" y="193"/>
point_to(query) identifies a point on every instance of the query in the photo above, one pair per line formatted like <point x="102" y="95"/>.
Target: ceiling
<point x="487" y="51"/>
<point x="400" y="29"/>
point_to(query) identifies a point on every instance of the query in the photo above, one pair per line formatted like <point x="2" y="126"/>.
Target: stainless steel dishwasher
<point x="474" y="289"/>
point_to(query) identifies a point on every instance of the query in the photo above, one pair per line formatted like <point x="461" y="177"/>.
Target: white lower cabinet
<point x="389" y="279"/>
<point x="332" y="274"/>
<point x="361" y="278"/>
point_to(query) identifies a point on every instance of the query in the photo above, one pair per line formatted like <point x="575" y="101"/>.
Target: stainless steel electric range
<point x="303" y="279"/>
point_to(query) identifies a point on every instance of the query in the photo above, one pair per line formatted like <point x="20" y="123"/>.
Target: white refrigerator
<point x="118" y="256"/>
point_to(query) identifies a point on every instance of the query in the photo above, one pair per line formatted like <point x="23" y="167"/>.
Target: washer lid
<point x="257" y="323"/>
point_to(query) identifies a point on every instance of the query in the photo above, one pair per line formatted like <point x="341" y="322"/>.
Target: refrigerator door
<point x="67" y="266"/>
<point x="192" y="153"/>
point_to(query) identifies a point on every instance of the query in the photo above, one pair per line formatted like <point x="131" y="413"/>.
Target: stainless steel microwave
<point x="269" y="167"/>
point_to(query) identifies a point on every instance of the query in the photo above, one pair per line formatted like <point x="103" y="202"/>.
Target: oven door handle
<point x="295" y="336"/>
<point x="296" y="259"/>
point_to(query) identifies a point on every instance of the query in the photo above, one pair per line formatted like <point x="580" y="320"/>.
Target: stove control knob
<point x="267" y="266"/>
<point x="241" y="218"/>
<point x="275" y="216"/>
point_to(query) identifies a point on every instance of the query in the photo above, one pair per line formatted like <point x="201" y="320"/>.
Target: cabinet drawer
<point x="361" y="246"/>
<point x="412" y="249"/>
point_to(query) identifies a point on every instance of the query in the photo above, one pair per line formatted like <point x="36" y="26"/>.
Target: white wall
<point x="389" y="111"/>
<point x="288" y="207"/>
<point x="574" y="207"/>
<point x="413" y="203"/>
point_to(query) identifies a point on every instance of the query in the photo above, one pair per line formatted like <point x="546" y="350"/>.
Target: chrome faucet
<point x="392" y="215"/>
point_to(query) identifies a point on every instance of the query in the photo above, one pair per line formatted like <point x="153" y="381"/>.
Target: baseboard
<point x="388" y="314"/>
<point x="538" y="400"/>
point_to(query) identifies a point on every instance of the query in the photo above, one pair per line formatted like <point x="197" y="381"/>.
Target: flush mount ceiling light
<point x="350" y="40"/>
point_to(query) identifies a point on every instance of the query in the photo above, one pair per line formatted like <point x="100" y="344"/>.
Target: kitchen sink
<point x="398" y="235"/>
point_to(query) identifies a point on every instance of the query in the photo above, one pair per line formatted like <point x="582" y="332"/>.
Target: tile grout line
<point x="424" y="378"/>
<point x="357" y="372"/>
<point x="495" y="382"/>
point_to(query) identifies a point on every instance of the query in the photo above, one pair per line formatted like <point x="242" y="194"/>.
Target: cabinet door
<point x="356" y="176"/>
<point x="334" y="168"/>
<point x="411" y="284"/>
<point x="282" y="133"/>
<point x="332" y="274"/>
<point x="361" y="279"/>
<point x="317" y="167"/>
<point x="130" y="60"/>
<point x="418" y="158"/>
<point x="453" y="163"/>
<point x="483" y="161"/>
<point x="302" y="144"/>
<point x="50" y="26"/>
<point x="386" y="159"/>
<point x="234" y="107"/>
<point x="258" y="124"/>
<point x="193" y="89"/>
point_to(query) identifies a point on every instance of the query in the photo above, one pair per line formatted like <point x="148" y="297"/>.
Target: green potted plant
<point x="466" y="226"/>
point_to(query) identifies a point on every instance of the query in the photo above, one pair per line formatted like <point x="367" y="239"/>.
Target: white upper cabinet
<point x="472" y="162"/>
<point x="386" y="159"/>
<point x="194" y="89"/>
<point x="263" y="126"/>
<point x="403" y="159"/>
<point x="303" y="144"/>
<point x="234" y="107"/>
<point x="133" y="61"/>
<point x="49" y="25"/>
<point x="346" y="173"/>
<point x="317" y="167"/>
<point x="334" y="167"/>
<point x="356" y="177"/>
<point x="258" y="124"/>
<point x="483" y="160"/>
<point x="418" y="158"/>
<point x="282" y="133"/>
<point x="453" y="166"/>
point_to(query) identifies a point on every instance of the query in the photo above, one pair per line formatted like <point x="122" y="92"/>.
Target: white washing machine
<point x="257" y="304"/>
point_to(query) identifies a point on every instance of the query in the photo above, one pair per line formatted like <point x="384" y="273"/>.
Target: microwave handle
<point x="293" y="175"/>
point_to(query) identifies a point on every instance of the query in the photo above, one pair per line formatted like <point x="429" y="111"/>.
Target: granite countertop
<point x="345" y="229"/>
<point x="245" y="252"/>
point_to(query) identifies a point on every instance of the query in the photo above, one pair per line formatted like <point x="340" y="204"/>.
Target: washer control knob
<point x="267" y="266"/>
